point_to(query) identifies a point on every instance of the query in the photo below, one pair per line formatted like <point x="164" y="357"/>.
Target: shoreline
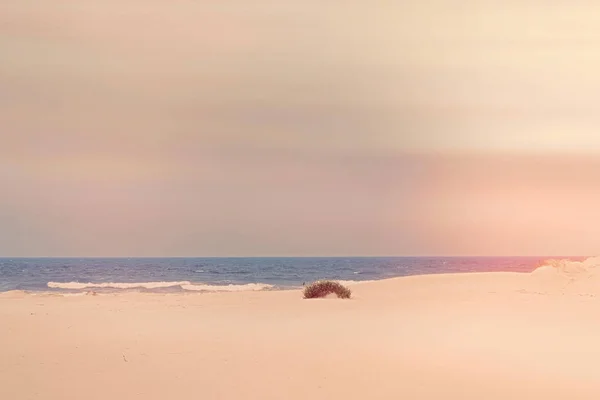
<point x="175" y="287"/>
<point x="460" y="336"/>
<point x="36" y="275"/>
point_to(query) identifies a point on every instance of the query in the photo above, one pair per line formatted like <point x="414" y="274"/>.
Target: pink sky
<point x="178" y="128"/>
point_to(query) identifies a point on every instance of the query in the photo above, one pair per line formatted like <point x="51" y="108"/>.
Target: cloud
<point x="309" y="127"/>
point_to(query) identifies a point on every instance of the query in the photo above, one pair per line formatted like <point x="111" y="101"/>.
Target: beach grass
<point x="320" y="289"/>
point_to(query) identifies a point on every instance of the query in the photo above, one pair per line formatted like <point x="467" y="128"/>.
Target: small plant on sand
<point x="321" y="289"/>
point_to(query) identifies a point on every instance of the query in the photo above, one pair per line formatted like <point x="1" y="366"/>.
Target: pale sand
<point x="470" y="336"/>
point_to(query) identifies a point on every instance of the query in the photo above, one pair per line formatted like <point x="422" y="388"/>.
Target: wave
<point x="248" y="287"/>
<point x="351" y="283"/>
<point x="208" y="271"/>
<point x="116" y="285"/>
<point x="185" y="285"/>
<point x="78" y="294"/>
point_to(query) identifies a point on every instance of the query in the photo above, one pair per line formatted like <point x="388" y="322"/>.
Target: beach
<point x="448" y="336"/>
<point x="174" y="175"/>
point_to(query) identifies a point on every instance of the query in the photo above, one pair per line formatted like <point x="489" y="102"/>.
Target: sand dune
<point x="467" y="336"/>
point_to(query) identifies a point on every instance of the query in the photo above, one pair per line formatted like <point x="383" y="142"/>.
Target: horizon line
<point x="293" y="256"/>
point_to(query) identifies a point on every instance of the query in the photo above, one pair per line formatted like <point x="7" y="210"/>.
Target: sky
<point x="288" y="128"/>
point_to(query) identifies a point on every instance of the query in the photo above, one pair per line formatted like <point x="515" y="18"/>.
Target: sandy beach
<point x="459" y="336"/>
<point x="173" y="172"/>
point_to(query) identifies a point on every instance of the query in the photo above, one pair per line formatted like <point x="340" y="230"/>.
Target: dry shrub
<point x="320" y="289"/>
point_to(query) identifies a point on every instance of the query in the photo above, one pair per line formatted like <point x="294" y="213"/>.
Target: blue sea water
<point x="231" y="274"/>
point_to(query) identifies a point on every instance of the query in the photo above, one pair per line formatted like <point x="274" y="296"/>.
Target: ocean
<point x="231" y="274"/>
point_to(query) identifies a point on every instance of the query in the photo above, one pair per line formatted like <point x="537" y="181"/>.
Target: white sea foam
<point x="227" y="288"/>
<point x="115" y="285"/>
<point x="351" y="283"/>
<point x="185" y="285"/>
<point x="78" y="294"/>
